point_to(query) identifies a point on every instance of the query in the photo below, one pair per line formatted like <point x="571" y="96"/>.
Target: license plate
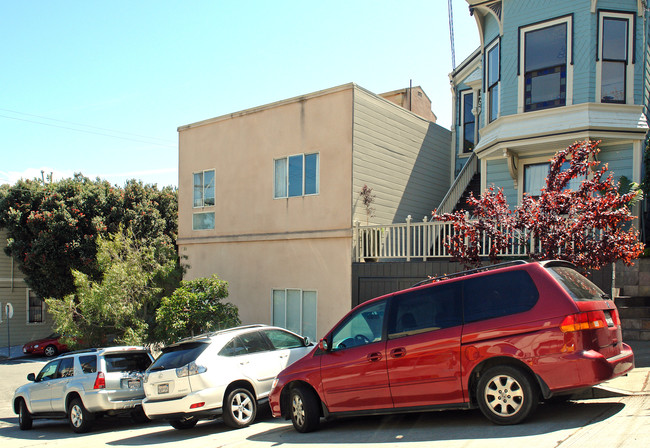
<point x="608" y="319"/>
<point x="134" y="384"/>
<point x="163" y="388"/>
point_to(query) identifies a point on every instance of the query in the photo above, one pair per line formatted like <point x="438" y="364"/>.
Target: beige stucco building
<point x="268" y="197"/>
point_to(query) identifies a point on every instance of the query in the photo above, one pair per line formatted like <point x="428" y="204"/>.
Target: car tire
<point x="506" y="395"/>
<point x="239" y="409"/>
<point x="80" y="419"/>
<point x="185" y="423"/>
<point x="24" y="417"/>
<point x="50" y="351"/>
<point x="304" y="409"/>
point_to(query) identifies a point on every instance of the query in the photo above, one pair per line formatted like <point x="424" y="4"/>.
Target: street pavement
<point x="618" y="416"/>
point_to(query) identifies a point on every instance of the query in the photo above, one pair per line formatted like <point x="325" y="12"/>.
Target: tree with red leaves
<point x="588" y="226"/>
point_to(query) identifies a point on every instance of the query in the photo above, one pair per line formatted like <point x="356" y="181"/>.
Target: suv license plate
<point x="134" y="384"/>
<point x="163" y="388"/>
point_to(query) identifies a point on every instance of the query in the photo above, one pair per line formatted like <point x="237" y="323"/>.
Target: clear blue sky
<point x="100" y="87"/>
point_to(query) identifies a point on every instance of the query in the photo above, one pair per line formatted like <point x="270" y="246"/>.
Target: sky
<point x="100" y="87"/>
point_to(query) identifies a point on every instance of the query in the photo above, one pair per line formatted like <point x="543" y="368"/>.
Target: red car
<point x="48" y="346"/>
<point x="499" y="338"/>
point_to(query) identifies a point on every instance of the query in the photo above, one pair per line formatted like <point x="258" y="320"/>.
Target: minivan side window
<point x="428" y="309"/>
<point x="363" y="327"/>
<point x="497" y="295"/>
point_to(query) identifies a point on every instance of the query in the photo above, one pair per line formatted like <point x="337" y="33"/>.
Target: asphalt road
<point x="610" y="422"/>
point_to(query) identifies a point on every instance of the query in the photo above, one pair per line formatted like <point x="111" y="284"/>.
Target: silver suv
<point x="82" y="385"/>
<point x="222" y="373"/>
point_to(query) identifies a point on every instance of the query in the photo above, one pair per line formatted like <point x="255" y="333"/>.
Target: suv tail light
<point x="100" y="381"/>
<point x="190" y="369"/>
<point x="589" y="320"/>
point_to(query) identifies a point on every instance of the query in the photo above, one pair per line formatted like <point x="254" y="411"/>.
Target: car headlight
<point x="36" y="346"/>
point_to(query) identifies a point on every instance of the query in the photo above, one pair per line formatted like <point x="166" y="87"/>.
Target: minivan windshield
<point x="578" y="286"/>
<point x="178" y="355"/>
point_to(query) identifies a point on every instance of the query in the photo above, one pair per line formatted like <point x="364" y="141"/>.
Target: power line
<point x="166" y="144"/>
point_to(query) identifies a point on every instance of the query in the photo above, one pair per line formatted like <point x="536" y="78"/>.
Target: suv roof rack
<point x="218" y="332"/>
<point x="471" y="271"/>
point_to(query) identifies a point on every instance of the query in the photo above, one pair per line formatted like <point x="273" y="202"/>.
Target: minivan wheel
<point x="185" y="423"/>
<point x="239" y="409"/>
<point x="24" y="417"/>
<point x="506" y="395"/>
<point x="79" y="417"/>
<point x="305" y="414"/>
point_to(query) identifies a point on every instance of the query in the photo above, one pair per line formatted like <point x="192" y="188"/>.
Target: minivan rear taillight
<point x="100" y="381"/>
<point x="589" y="320"/>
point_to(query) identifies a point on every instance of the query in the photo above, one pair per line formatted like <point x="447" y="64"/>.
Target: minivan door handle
<point x="398" y="352"/>
<point x="372" y="357"/>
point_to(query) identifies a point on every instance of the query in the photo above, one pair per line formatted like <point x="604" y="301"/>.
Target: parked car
<point x="85" y="384"/>
<point x="49" y="346"/>
<point x="222" y="373"/>
<point x="499" y="338"/>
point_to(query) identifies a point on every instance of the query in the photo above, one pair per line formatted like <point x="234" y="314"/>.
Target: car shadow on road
<point x="447" y="425"/>
<point x="59" y="429"/>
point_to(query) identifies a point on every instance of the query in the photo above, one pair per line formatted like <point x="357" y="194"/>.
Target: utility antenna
<point x="451" y="34"/>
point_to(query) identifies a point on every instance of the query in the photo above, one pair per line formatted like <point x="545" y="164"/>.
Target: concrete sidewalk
<point x="638" y="380"/>
<point x="16" y="352"/>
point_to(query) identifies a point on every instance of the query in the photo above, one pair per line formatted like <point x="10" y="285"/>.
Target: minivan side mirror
<point x="323" y="345"/>
<point x="31" y="377"/>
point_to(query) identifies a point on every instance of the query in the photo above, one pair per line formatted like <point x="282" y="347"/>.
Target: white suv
<point x="82" y="385"/>
<point x="222" y="373"/>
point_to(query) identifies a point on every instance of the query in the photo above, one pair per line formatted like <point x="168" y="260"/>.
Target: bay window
<point x="615" y="35"/>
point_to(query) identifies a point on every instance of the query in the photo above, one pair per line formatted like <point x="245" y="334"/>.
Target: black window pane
<point x="468" y="137"/>
<point x="254" y="342"/>
<point x="127" y="362"/>
<point x="468" y="103"/>
<point x="615" y="39"/>
<point x="427" y="309"/>
<point x="497" y="295"/>
<point x="88" y="363"/>
<point x="295" y="175"/>
<point x="613" y="82"/>
<point x="546" y="47"/>
<point x="546" y="88"/>
<point x="311" y="173"/>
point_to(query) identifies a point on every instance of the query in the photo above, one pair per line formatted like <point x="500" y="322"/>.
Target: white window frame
<point x="203" y="205"/>
<point x="275" y="193"/>
<point x="202" y="213"/>
<point x="488" y="99"/>
<point x="302" y="300"/>
<point x="521" y="78"/>
<point x="27" y="308"/>
<point x="629" y="66"/>
<point x="463" y="94"/>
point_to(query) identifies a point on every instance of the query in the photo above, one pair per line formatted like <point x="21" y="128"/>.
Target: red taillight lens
<point x="197" y="405"/>
<point x="100" y="381"/>
<point x="590" y="320"/>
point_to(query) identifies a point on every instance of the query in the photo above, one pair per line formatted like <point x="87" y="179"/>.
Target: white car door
<point x="40" y="392"/>
<point x="288" y="347"/>
<point x="260" y="363"/>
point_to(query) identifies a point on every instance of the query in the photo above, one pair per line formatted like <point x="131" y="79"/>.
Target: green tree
<point x="118" y="308"/>
<point x="53" y="228"/>
<point x="196" y="307"/>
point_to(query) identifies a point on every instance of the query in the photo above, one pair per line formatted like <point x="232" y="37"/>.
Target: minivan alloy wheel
<point x="305" y="412"/>
<point x="506" y="395"/>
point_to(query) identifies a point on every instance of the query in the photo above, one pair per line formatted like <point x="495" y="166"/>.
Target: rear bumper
<point x="587" y="368"/>
<point x="103" y="400"/>
<point x="181" y="407"/>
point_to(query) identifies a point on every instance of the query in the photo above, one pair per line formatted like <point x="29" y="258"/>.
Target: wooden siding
<point x="404" y="158"/>
<point x="618" y="159"/>
<point x="498" y="175"/>
<point x="13" y="290"/>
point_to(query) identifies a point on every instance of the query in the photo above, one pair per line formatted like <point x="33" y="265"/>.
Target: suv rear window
<point x="178" y="355"/>
<point x="127" y="362"/>
<point x="579" y="287"/>
<point x="496" y="295"/>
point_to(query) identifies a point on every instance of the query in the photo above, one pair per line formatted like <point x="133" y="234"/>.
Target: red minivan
<point x="500" y="338"/>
